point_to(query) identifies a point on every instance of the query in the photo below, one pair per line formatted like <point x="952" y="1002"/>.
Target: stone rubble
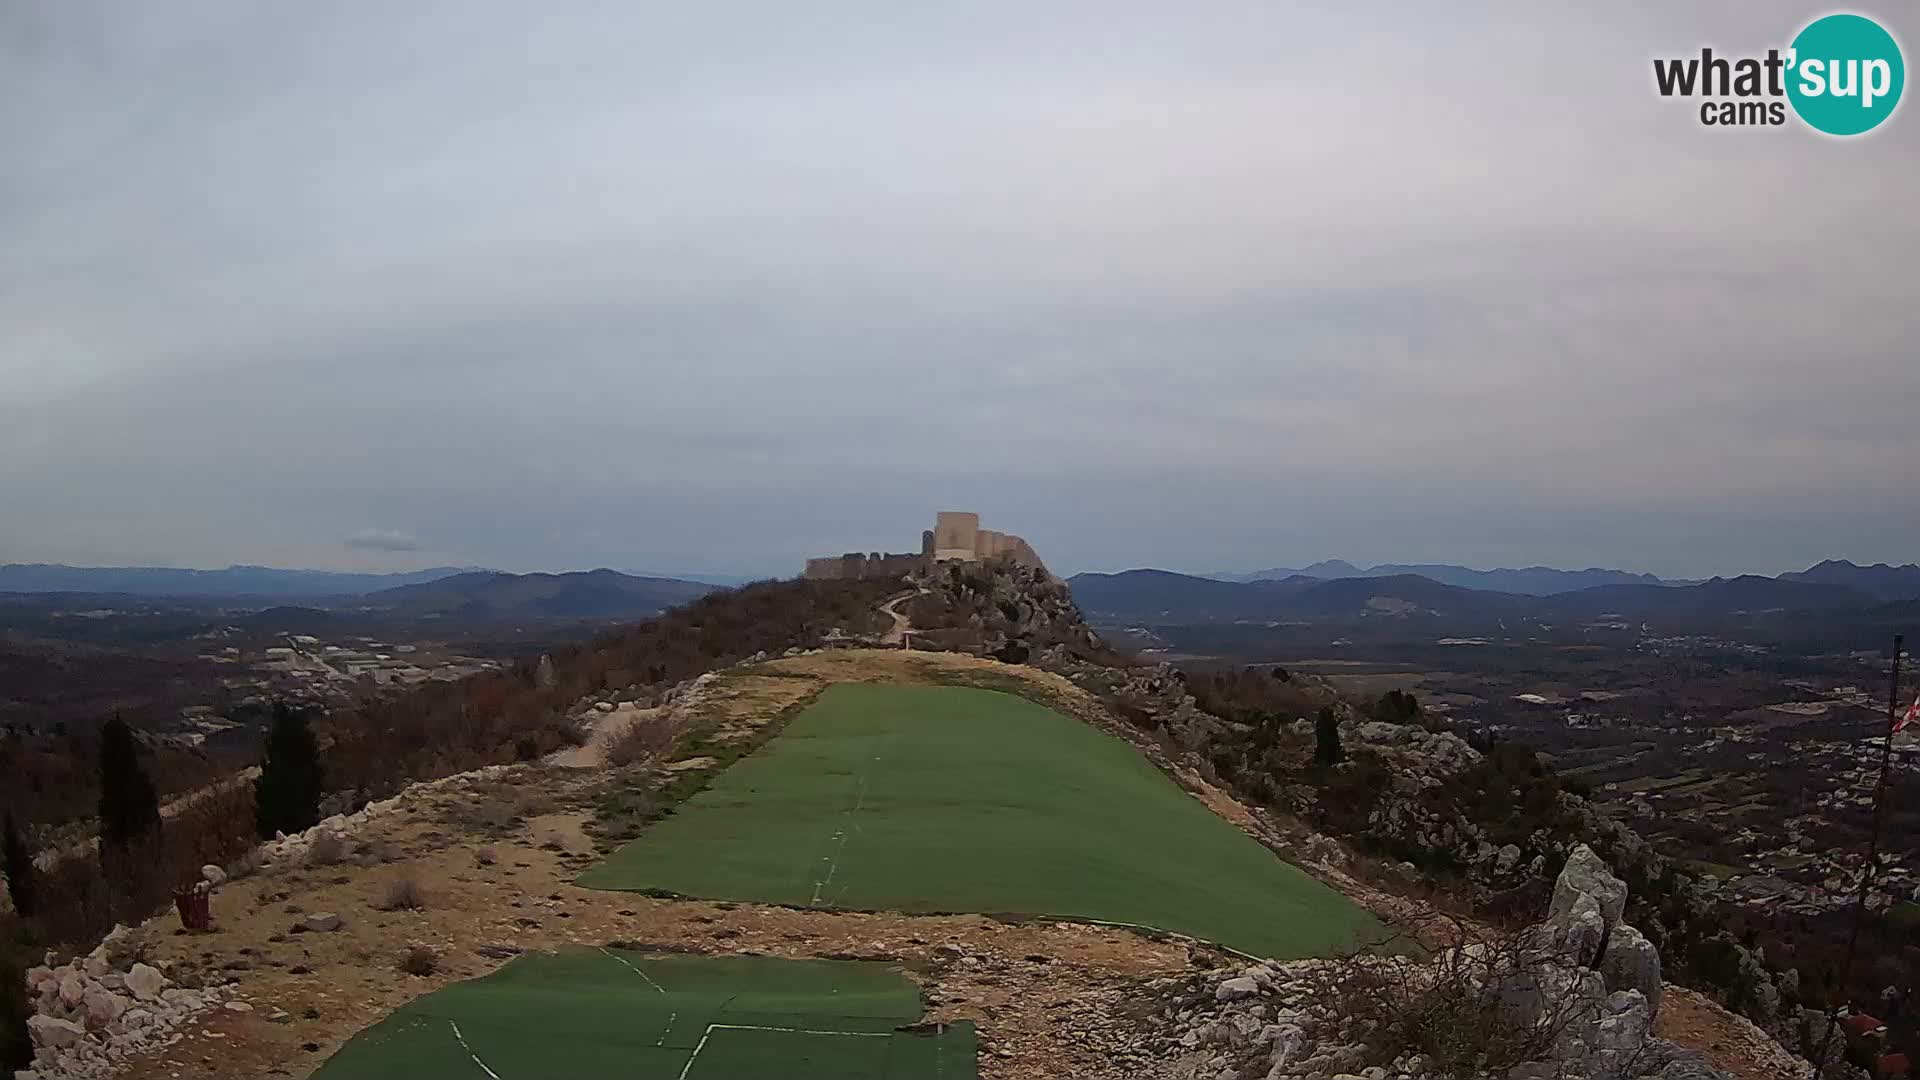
<point x="95" y="1011"/>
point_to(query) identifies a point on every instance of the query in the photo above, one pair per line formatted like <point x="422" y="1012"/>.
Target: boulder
<point x="1627" y="1025"/>
<point x="145" y="981"/>
<point x="1588" y="873"/>
<point x="1631" y="962"/>
<point x="50" y="1033"/>
<point x="73" y="989"/>
<point x="1507" y="858"/>
<point x="104" y="1008"/>
<point x="1236" y="989"/>
<point x="1576" y="934"/>
<point x="321" y="922"/>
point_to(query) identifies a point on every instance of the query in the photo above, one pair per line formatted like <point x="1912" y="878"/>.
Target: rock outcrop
<point x="1574" y="996"/>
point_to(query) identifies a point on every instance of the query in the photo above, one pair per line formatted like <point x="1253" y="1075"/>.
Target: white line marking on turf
<point x="801" y="1031"/>
<point x="671" y="1017"/>
<point x="711" y="1028"/>
<point x="469" y="1050"/>
<point x="635" y="970"/>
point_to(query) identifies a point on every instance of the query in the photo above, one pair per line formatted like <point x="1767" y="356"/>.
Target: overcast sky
<point x="712" y="287"/>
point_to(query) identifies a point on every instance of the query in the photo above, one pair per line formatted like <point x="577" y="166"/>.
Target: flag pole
<point x="1873" y="847"/>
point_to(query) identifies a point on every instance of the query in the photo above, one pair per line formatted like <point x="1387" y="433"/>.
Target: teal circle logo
<point x="1846" y="74"/>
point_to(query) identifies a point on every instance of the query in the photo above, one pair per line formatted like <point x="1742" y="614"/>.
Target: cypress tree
<point x="16" y="1042"/>
<point x="18" y="860"/>
<point x="1326" y="736"/>
<point x="286" y="798"/>
<point x="129" y="807"/>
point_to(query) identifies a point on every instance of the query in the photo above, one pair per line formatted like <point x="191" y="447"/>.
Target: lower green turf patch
<point x="611" y="1013"/>
<point x="944" y="799"/>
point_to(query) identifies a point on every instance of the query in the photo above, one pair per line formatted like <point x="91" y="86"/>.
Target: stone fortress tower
<point x="956" y="536"/>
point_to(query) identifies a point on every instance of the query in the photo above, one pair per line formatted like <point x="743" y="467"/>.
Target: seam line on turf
<point x="476" y="1057"/>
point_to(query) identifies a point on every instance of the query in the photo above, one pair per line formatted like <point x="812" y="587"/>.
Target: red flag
<point x="1912" y="716"/>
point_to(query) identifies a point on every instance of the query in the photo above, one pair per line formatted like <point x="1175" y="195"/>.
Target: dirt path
<point x="1732" y="1043"/>
<point x="901" y="624"/>
<point x="607" y="727"/>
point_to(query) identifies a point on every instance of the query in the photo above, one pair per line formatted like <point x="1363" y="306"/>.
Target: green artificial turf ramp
<point x="946" y="799"/>
<point x="603" y="1013"/>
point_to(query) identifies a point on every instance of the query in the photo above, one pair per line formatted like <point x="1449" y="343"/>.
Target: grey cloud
<point x="718" y="287"/>
<point x="382" y="540"/>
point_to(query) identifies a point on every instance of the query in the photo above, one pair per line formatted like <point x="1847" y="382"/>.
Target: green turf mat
<point x="947" y="799"/>
<point x="603" y="1013"/>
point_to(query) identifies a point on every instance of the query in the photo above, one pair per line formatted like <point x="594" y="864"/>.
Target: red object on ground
<point x="195" y="907"/>
<point x="1892" y="1066"/>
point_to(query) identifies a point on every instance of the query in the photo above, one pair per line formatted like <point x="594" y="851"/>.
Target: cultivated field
<point x="947" y="799"/>
<point x="606" y="1013"/>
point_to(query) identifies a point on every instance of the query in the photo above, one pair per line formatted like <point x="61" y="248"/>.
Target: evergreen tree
<point x="129" y="807"/>
<point x="18" y="860"/>
<point x="287" y="796"/>
<point x="1326" y="738"/>
<point x="1397" y="707"/>
<point x="16" y="1042"/>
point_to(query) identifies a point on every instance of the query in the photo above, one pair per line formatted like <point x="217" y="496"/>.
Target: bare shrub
<point x="245" y="866"/>
<point x="327" y="849"/>
<point x="1458" y="1004"/>
<point x="374" y="852"/>
<point x="485" y="857"/>
<point x="531" y="804"/>
<point x="403" y="894"/>
<point x="642" y="741"/>
<point x="419" y="960"/>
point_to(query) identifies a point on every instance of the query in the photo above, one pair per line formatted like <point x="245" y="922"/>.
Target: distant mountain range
<point x="589" y="594"/>
<point x="1881" y="580"/>
<point x="488" y="588"/>
<point x="1159" y="595"/>
<point x="260" y="581"/>
<point x="1530" y="580"/>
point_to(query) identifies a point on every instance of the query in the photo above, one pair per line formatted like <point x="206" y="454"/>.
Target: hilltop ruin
<point x="956" y="536"/>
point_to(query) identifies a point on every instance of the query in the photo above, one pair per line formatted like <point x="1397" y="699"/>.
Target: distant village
<point x="307" y="669"/>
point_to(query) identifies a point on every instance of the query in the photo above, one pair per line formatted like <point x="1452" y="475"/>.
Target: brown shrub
<point x="403" y="894"/>
<point x="419" y="960"/>
<point x="485" y="857"/>
<point x="644" y="740"/>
